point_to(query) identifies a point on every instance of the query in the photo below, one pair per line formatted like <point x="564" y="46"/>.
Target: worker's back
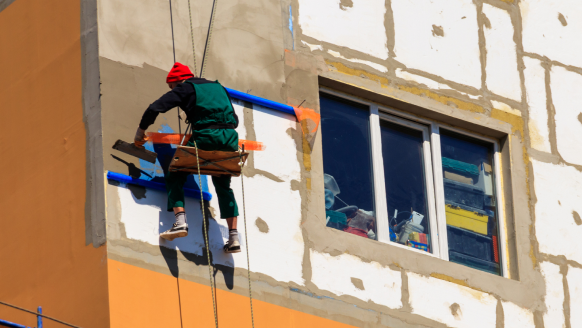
<point x="212" y="105"/>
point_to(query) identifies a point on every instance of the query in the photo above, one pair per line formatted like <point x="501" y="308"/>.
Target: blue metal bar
<point x="39" y="318"/>
<point x="261" y="101"/>
<point x="155" y="185"/>
<point x="11" y="324"/>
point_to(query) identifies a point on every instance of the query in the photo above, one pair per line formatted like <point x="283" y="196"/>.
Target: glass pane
<point x="404" y="176"/>
<point x="347" y="164"/>
<point x="470" y="203"/>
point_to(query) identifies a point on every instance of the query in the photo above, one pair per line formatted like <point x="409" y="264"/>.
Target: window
<point x="409" y="181"/>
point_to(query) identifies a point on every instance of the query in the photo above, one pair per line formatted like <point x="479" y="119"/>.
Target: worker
<point x="209" y="109"/>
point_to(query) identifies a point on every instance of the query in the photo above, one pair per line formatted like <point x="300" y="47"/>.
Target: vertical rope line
<point x="172" y="25"/>
<point x="206" y="237"/>
<point x="192" y="36"/>
<point x="208" y="38"/>
<point x="174" y="51"/>
<point x="246" y="239"/>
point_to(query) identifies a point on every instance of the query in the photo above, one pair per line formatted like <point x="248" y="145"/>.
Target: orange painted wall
<point x="144" y="298"/>
<point x="43" y="257"/>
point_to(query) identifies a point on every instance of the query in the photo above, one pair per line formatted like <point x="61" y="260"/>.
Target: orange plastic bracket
<point x="175" y="138"/>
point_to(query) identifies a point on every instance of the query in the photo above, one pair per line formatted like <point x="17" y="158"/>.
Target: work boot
<point x="177" y="231"/>
<point x="232" y="246"/>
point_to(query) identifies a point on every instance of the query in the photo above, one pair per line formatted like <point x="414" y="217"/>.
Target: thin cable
<point x="246" y="239"/>
<point x="174" y="51"/>
<point x="42" y="315"/>
<point x="172" y="24"/>
<point x="208" y="38"/>
<point x="180" y="302"/>
<point x="206" y="237"/>
<point x="192" y="37"/>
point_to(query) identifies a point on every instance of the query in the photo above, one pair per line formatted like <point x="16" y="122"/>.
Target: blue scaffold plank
<point x="261" y="101"/>
<point x="155" y="185"/>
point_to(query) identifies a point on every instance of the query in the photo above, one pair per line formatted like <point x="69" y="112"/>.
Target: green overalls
<point x="212" y="107"/>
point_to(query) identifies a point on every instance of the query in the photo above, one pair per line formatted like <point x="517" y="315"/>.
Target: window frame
<point x="433" y="177"/>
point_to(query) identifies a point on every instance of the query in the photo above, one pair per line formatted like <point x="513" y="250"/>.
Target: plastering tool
<point x="132" y="150"/>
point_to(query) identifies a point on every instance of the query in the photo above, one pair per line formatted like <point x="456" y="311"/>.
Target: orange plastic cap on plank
<point x="308" y="118"/>
<point x="176" y="138"/>
<point x="251" y="145"/>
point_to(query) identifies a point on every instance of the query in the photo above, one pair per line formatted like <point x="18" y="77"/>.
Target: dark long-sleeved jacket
<point x="183" y="96"/>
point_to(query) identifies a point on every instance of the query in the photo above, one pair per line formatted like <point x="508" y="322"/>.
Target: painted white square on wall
<point x="439" y="37"/>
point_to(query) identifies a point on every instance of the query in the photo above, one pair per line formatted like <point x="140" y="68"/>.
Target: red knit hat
<point x="179" y="72"/>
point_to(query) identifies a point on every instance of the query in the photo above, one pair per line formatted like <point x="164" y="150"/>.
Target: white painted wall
<point x="575" y="289"/>
<point x="556" y="189"/>
<point x="433" y="298"/>
<point x="566" y="87"/>
<point x="544" y="34"/>
<point x="360" y="27"/>
<point x="516" y="316"/>
<point x="382" y="285"/>
<point x="535" y="87"/>
<point x="454" y="56"/>
<point x="502" y="75"/>
<point x="554" y="300"/>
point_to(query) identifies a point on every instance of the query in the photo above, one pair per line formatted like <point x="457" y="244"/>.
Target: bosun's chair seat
<point x="212" y="162"/>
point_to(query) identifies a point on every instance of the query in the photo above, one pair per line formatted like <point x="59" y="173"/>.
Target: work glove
<point x="140" y="138"/>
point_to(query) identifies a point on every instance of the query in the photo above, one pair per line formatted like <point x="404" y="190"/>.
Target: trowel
<point x="132" y="150"/>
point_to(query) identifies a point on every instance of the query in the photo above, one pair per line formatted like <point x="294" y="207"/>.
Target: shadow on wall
<point x="171" y="255"/>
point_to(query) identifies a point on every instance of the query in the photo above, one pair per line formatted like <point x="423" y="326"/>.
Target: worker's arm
<point x="171" y="99"/>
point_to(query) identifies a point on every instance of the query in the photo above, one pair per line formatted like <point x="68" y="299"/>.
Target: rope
<point x="206" y="238"/>
<point x="174" y="51"/>
<point x="192" y="36"/>
<point x="40" y="315"/>
<point x="208" y="38"/>
<point x="246" y="238"/>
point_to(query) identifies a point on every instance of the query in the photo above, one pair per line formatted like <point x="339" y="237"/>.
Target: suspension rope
<point x="192" y="36"/>
<point x="208" y="38"/>
<point x="206" y="237"/>
<point x="174" y="51"/>
<point x="246" y="235"/>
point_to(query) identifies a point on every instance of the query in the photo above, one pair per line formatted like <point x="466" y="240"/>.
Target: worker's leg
<point x="228" y="211"/>
<point x="175" y="187"/>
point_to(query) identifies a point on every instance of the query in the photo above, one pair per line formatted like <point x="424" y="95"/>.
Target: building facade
<point x="421" y="164"/>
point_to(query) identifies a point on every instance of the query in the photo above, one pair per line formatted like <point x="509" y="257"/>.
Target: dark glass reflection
<point x="402" y="153"/>
<point x="347" y="164"/>
<point x="470" y="204"/>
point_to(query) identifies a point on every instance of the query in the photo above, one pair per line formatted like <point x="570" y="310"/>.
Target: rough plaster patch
<point x="568" y="104"/>
<point x="502" y="74"/>
<point x="379" y="67"/>
<point x="359" y="27"/>
<point x="358" y="283"/>
<point x="575" y="288"/>
<point x="138" y="32"/>
<point x="535" y="86"/>
<point x="516" y="316"/>
<point x="335" y="274"/>
<point x="262" y="225"/>
<point x="454" y="56"/>
<point x="557" y="196"/>
<point x="313" y="47"/>
<point x="437" y="31"/>
<point x="545" y="34"/>
<point x="554" y="316"/>
<point x="271" y="129"/>
<point x="562" y="19"/>
<point x="505" y="107"/>
<point x="434" y="298"/>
